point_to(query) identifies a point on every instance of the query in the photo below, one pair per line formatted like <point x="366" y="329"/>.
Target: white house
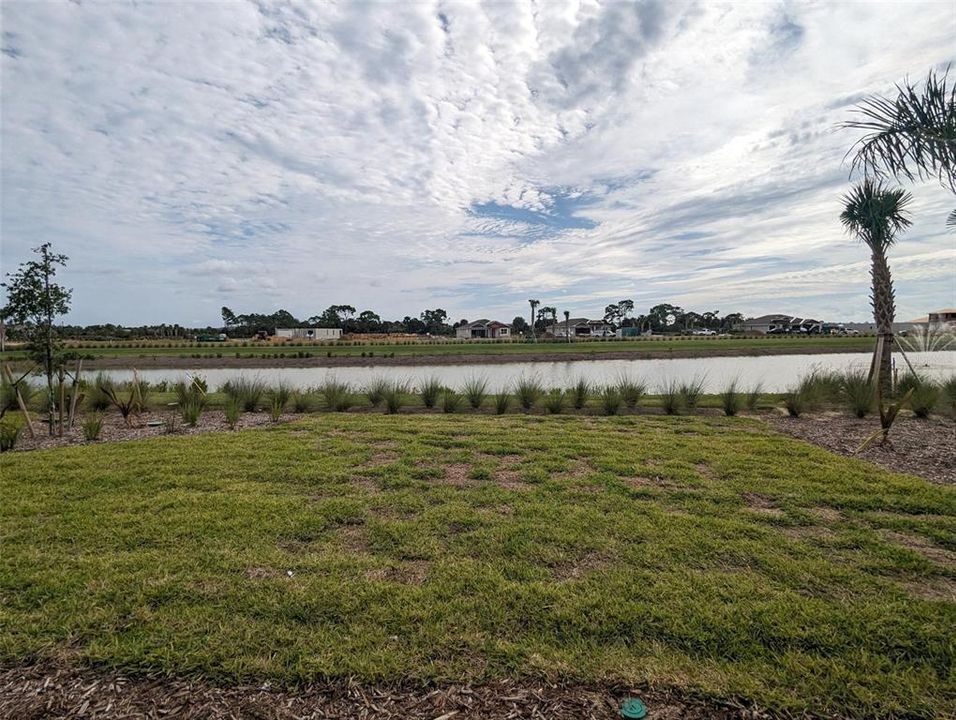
<point x="580" y="327"/>
<point x="309" y="333"/>
<point x="483" y="330"/>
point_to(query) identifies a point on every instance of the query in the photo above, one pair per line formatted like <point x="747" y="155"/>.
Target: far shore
<point x="173" y="362"/>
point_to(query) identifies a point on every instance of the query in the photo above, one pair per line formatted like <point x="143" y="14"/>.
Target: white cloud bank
<point x="399" y="156"/>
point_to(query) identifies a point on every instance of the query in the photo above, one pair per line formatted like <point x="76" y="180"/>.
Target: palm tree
<point x="534" y="304"/>
<point x="567" y="325"/>
<point x="875" y="214"/>
<point x="912" y="136"/>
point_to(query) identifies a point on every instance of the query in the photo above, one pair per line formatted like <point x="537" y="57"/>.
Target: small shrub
<point x="610" y="400"/>
<point x="580" y="393"/>
<point x="731" y="400"/>
<point x="502" y="402"/>
<point x="337" y="396"/>
<point x="8" y="395"/>
<point x="475" y="390"/>
<point x="528" y="390"/>
<point x="278" y="398"/>
<point x="302" y="401"/>
<point x="858" y="393"/>
<point x="802" y="397"/>
<point x="97" y="398"/>
<point x="690" y="393"/>
<point x="171" y="424"/>
<point x="395" y="393"/>
<point x="431" y="389"/>
<point x="925" y="395"/>
<point x="92" y="426"/>
<point x="753" y="396"/>
<point x="554" y="401"/>
<point x="10" y="429"/>
<point x="631" y="391"/>
<point x="192" y="411"/>
<point x="672" y="397"/>
<point x="375" y="392"/>
<point x="247" y="391"/>
<point x="276" y="408"/>
<point x="450" y="400"/>
<point x="232" y="410"/>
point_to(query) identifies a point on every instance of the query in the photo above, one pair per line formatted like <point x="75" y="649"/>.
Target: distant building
<point x="483" y="330"/>
<point x="309" y="333"/>
<point x="777" y="323"/>
<point x="944" y="319"/>
<point x="580" y="327"/>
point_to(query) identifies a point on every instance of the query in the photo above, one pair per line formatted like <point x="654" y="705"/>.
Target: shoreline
<point x="160" y="362"/>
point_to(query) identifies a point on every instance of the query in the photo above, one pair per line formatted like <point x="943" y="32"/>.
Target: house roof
<point x="773" y="317"/>
<point x="944" y="311"/>
<point x="485" y="322"/>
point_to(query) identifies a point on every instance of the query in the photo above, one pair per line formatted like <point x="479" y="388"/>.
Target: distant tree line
<point x="429" y="322"/>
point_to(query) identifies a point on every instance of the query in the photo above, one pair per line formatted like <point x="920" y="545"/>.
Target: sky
<point x="398" y="156"/>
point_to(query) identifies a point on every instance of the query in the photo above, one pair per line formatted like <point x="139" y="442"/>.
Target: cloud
<point x="408" y="155"/>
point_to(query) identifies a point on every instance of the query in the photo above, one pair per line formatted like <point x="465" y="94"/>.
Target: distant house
<point x="944" y="319"/>
<point x="309" y="333"/>
<point x="580" y="327"/>
<point x="777" y="323"/>
<point x="483" y="330"/>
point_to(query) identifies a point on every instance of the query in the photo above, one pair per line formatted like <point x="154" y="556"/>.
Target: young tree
<point x="534" y="306"/>
<point x="876" y="214"/>
<point x="519" y="325"/>
<point x="35" y="301"/>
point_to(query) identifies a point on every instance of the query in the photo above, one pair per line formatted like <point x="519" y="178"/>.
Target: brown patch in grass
<point x="827" y="513"/>
<point x="457" y="474"/>
<point x="580" y="469"/>
<point x="380" y="458"/>
<point x="579" y="566"/>
<point x="407" y="572"/>
<point x="510" y="480"/>
<point x="922" y="546"/>
<point x="935" y="588"/>
<point x="761" y="504"/>
<point x="262" y="573"/>
<point x="705" y="471"/>
<point x="353" y="538"/>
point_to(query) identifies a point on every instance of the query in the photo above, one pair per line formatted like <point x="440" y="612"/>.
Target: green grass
<point x="834" y="344"/>
<point x="702" y="554"/>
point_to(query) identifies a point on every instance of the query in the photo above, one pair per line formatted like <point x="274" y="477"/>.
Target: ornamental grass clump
<point x="690" y="393"/>
<point x="450" y="400"/>
<point x="753" y="396"/>
<point x="394" y="395"/>
<point x="8" y="394"/>
<point x="580" y="393"/>
<point x="948" y="391"/>
<point x="554" y="401"/>
<point x="279" y="398"/>
<point x="375" y="392"/>
<point x="337" y="396"/>
<point x="610" y="400"/>
<point x="92" y="426"/>
<point x="858" y="392"/>
<point x="502" y="402"/>
<point x="232" y="410"/>
<point x="802" y="397"/>
<point x="671" y="397"/>
<point x="191" y="411"/>
<point x="731" y="399"/>
<point x="528" y="390"/>
<point x="431" y="390"/>
<point x="475" y="390"/>
<point x="924" y="397"/>
<point x="247" y="391"/>
<point x="631" y="391"/>
<point x="10" y="429"/>
<point x="302" y="401"/>
<point x="97" y="398"/>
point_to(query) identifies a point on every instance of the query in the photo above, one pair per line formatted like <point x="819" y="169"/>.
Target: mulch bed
<point x="922" y="447"/>
<point x="37" y="691"/>
<point x="116" y="430"/>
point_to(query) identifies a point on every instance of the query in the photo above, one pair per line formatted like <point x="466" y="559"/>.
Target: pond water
<point x="776" y="373"/>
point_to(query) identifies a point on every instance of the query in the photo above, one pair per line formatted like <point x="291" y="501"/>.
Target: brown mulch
<point x="33" y="692"/>
<point x="116" y="430"/>
<point x="923" y="447"/>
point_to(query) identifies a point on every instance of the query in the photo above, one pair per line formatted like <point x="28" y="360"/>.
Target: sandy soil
<point x="33" y="692"/>
<point x="926" y="448"/>
<point x="160" y="361"/>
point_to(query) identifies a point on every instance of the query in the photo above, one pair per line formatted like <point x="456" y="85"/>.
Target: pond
<point x="775" y="373"/>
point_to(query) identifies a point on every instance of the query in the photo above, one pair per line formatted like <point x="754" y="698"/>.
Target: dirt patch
<point x="353" y="538"/>
<point x="922" y="546"/>
<point x="146" y="425"/>
<point x="262" y="573"/>
<point x="936" y="588"/>
<point x="827" y="514"/>
<point x="761" y="504"/>
<point x="380" y="458"/>
<point x="458" y="475"/>
<point x="926" y="448"/>
<point x="510" y="480"/>
<point x="580" y="468"/>
<point x="578" y="567"/>
<point x="408" y="572"/>
<point x="65" y="691"/>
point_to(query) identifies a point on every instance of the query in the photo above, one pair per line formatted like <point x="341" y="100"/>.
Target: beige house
<point x="483" y="330"/>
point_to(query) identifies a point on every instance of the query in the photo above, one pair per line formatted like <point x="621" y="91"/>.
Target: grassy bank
<point x="444" y="349"/>
<point x="702" y="554"/>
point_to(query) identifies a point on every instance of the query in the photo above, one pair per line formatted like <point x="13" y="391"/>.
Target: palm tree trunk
<point x="884" y="311"/>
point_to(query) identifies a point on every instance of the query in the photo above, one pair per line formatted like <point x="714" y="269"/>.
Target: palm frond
<point x="951" y="219"/>
<point x="875" y="213"/>
<point x="912" y="136"/>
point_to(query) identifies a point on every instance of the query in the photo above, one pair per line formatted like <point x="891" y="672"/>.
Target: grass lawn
<point x="424" y="349"/>
<point x="701" y="554"/>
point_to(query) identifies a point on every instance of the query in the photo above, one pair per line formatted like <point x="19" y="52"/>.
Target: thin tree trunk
<point x="884" y="311"/>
